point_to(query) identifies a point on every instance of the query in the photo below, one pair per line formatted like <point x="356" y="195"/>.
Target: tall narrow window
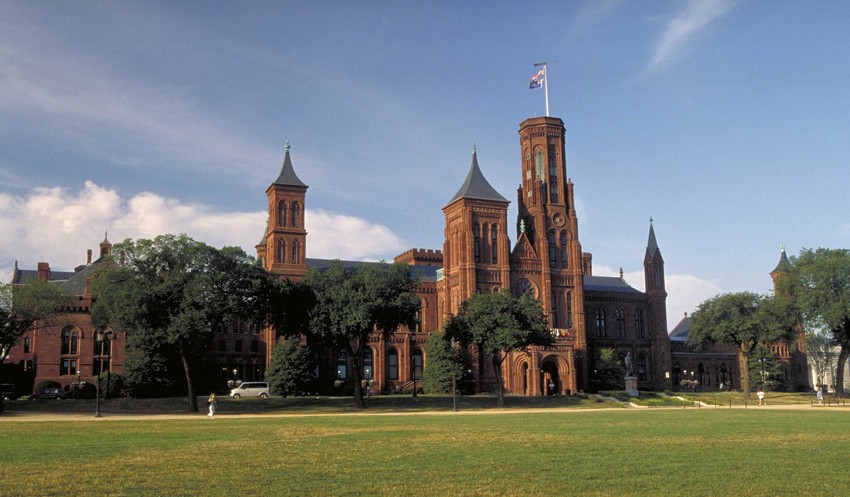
<point x="341" y="365"/>
<point x="281" y="213"/>
<point x="26" y="345"/>
<point x="639" y="323"/>
<point x="600" y="322"/>
<point x="476" y="235"/>
<point x="539" y="163"/>
<point x="296" y="215"/>
<point x="552" y="260"/>
<point x="74" y="343"/>
<point x="367" y="364"/>
<point x="553" y="176"/>
<point x="296" y="252"/>
<point x="621" y="323"/>
<point x="569" y="310"/>
<point x="281" y="251"/>
<point x="641" y="367"/>
<point x="494" y="244"/>
<point x="417" y="364"/>
<point x="554" y="309"/>
<point x="66" y="341"/>
<point x="392" y="364"/>
<point x="563" y="249"/>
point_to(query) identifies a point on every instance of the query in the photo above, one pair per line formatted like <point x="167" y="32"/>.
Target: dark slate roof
<point x="680" y="332"/>
<point x="73" y="282"/>
<point x="287" y="175"/>
<point x="476" y="186"/>
<point x="425" y="273"/>
<point x="24" y="275"/>
<point x="608" y="284"/>
<point x="784" y="265"/>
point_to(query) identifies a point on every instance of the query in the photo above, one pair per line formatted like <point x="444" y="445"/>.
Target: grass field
<point x="477" y="452"/>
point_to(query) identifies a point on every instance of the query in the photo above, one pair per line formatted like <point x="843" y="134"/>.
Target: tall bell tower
<point x="283" y="249"/>
<point x="547" y="222"/>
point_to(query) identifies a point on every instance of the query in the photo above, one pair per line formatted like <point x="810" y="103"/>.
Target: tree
<point x="608" y="371"/>
<point x="819" y="283"/>
<point x="446" y="363"/>
<point x="498" y="323"/>
<point x="351" y="304"/>
<point x="745" y="320"/>
<point x="22" y="308"/>
<point x="820" y="351"/>
<point x="765" y="370"/>
<point x="290" y="369"/>
<point x="179" y="291"/>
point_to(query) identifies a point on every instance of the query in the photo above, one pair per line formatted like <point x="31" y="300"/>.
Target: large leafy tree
<point x="353" y="303"/>
<point x="821" y="354"/>
<point x="22" y="308"/>
<point x="745" y="320"/>
<point x="179" y="291"/>
<point x="608" y="371"/>
<point x="446" y="364"/>
<point x="819" y="283"/>
<point x="291" y="368"/>
<point x="498" y="323"/>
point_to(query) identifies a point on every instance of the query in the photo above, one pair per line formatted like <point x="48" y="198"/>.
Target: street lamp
<point x="413" y="359"/>
<point x="102" y="338"/>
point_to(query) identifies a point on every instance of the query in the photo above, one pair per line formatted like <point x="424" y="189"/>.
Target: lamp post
<point x="101" y="337"/>
<point x="413" y="359"/>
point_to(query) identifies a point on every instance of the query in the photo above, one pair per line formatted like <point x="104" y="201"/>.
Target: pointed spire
<point x="651" y="244"/>
<point x="287" y="172"/>
<point x="476" y="186"/>
<point x="105" y="238"/>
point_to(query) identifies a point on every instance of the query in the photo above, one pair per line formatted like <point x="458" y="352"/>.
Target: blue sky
<point x="727" y="122"/>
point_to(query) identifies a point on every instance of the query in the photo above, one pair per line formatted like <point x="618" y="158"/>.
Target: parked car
<point x="251" y="389"/>
<point x="7" y="390"/>
<point x="50" y="393"/>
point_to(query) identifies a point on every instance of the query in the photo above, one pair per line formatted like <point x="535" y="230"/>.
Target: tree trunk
<point x="356" y="361"/>
<point x="744" y="366"/>
<point x="839" y="369"/>
<point x="497" y="368"/>
<point x="193" y="401"/>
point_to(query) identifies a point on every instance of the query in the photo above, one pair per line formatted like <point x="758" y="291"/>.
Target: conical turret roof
<point x="784" y="264"/>
<point x="476" y="185"/>
<point x="287" y="175"/>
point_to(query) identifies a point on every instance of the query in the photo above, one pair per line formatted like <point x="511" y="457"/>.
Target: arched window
<point x="527" y="165"/>
<point x="494" y="244"/>
<point x="639" y="323"/>
<point x="341" y="365"/>
<point x="296" y="252"/>
<point x="552" y="260"/>
<point x="281" y="213"/>
<point x="569" y="310"/>
<point x="368" y="370"/>
<point x="539" y="163"/>
<point x="392" y="364"/>
<point x="600" y="321"/>
<point x="621" y="323"/>
<point x="564" y="249"/>
<point x="281" y="251"/>
<point x="26" y="345"/>
<point x="476" y="235"/>
<point x="296" y="215"/>
<point x="66" y="341"/>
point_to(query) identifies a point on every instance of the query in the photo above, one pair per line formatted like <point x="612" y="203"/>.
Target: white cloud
<point x="58" y="226"/>
<point x="684" y="27"/>
<point x="684" y="291"/>
<point x="594" y="11"/>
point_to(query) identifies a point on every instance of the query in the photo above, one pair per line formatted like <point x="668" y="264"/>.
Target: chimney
<point x="587" y="263"/>
<point x="43" y="271"/>
<point x="88" y="257"/>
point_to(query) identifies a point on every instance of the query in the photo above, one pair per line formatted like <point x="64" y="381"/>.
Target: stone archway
<point x="550" y="379"/>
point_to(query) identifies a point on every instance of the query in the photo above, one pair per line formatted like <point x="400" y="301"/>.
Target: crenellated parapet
<point x="421" y="257"/>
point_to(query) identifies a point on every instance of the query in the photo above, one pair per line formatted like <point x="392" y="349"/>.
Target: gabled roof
<point x="680" y="332"/>
<point x="476" y="186"/>
<point x="608" y="284"/>
<point x="287" y="175"/>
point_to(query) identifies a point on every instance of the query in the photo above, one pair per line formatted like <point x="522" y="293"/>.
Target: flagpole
<point x="545" y="83"/>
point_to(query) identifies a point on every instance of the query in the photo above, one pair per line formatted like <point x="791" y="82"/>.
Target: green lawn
<point x="579" y="452"/>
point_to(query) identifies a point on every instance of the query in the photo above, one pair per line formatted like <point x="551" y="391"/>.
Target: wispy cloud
<point x="58" y="226"/>
<point x="594" y="11"/>
<point x="684" y="27"/>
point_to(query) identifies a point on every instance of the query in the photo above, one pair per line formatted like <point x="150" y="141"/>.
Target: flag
<point x="536" y="80"/>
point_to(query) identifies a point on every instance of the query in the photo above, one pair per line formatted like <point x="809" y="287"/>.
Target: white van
<point x="251" y="389"/>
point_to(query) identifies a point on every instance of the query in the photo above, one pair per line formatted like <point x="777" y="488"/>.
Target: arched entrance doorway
<point x="550" y="380"/>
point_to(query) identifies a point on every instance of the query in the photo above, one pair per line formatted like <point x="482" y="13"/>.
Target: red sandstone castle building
<point x="586" y="313"/>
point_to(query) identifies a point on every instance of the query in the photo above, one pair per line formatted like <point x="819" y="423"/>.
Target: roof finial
<point x="474" y="150"/>
<point x="621" y="272"/>
<point x="650" y="219"/>
<point x="783" y="247"/>
<point x="286" y="146"/>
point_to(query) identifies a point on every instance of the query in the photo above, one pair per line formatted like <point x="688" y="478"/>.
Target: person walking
<point x="820" y="396"/>
<point x="761" y="396"/>
<point x="211" y="404"/>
